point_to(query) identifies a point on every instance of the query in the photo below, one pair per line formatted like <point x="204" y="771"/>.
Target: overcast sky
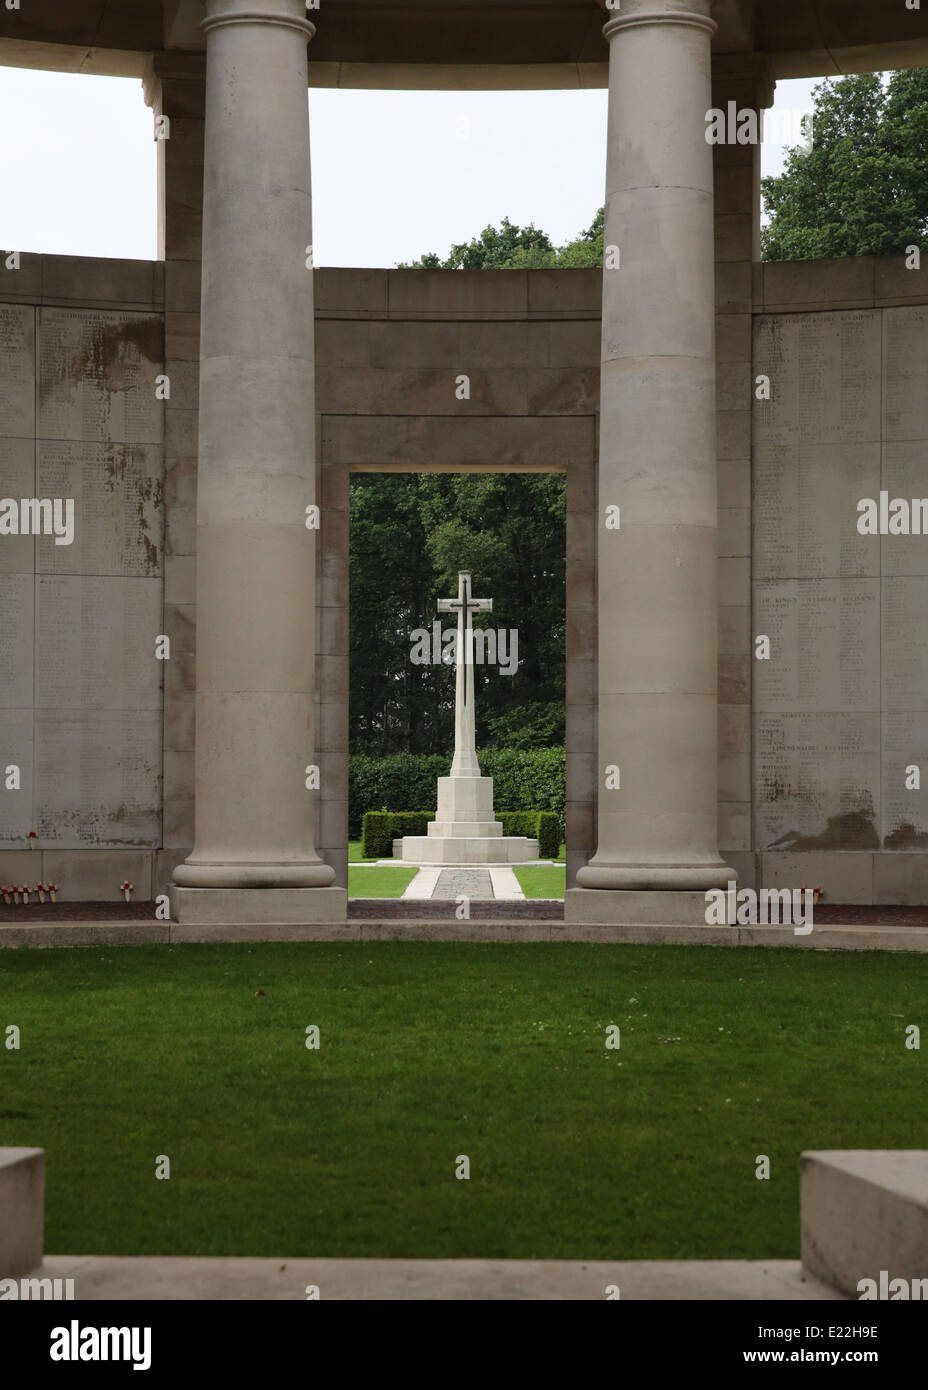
<point x="394" y="173"/>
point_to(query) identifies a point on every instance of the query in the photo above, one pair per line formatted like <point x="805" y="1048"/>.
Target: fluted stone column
<point x="255" y="553"/>
<point x="657" y="562"/>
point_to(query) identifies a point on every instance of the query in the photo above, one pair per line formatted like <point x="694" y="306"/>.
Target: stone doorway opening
<point x="411" y="535"/>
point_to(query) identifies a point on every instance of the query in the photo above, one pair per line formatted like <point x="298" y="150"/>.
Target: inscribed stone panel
<point x="16" y="749"/>
<point x="825" y="378"/>
<point x="17" y="373"/>
<point x="97" y="376"/>
<point x="95" y="643"/>
<point x="17" y="480"/>
<point x="118" y="507"/>
<point x="98" y="778"/>
<point x="905" y="475"/>
<point x="805" y="510"/>
<point x="824" y="642"/>
<point x="905" y="809"/>
<point x="817" y="779"/>
<point x="16" y="640"/>
<point x="905" y="364"/>
<point x="905" y="644"/>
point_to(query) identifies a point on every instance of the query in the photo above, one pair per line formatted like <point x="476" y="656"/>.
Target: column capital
<point x="635" y="14"/>
<point x="748" y="72"/>
<point x="170" y="66"/>
<point x="286" y="14"/>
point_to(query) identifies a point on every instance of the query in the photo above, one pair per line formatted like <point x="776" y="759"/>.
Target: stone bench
<point x="22" y="1210"/>
<point x="865" y="1211"/>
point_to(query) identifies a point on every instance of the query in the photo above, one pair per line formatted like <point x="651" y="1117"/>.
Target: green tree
<point x="394" y="706"/>
<point x="410" y="535"/>
<point x="509" y="529"/>
<point x="587" y="250"/>
<point x="510" y="247"/>
<point x="862" y="187"/>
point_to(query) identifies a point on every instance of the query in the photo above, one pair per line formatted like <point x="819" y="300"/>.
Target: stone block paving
<point x="472" y="883"/>
<point x="438" y="910"/>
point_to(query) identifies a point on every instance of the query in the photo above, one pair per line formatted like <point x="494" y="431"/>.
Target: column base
<point x="604" y="907"/>
<point x="257" y="907"/>
<point x="654" y="878"/>
<point x="238" y="877"/>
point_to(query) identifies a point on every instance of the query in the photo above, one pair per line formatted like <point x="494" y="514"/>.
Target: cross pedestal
<point x="464" y="831"/>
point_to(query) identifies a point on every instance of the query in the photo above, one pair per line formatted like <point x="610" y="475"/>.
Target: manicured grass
<point x="541" y="880"/>
<point x="431" y="1050"/>
<point x="379" y="882"/>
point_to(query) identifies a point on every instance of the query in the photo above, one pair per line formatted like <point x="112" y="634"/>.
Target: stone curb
<point x="191" y="1277"/>
<point x="135" y="933"/>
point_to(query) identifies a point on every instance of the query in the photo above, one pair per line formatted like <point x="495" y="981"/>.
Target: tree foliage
<point x="510" y="247"/>
<point x="410" y="535"/>
<point x="862" y="187"/>
<point x="523" y="780"/>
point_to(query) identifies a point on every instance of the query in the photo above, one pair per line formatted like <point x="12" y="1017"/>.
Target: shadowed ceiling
<point x="560" y="40"/>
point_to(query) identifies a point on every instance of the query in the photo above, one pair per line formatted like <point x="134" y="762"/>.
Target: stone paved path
<point x="474" y="883"/>
<point x="173" y="1277"/>
<point x="437" y="910"/>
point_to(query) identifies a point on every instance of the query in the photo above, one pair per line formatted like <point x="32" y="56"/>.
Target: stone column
<point x="657" y="848"/>
<point x="175" y="88"/>
<point x="255" y="551"/>
<point x="747" y="80"/>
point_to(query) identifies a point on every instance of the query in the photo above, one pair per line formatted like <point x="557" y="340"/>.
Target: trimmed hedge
<point x="381" y="828"/>
<point x="548" y="835"/>
<point x="543" y="826"/>
<point x="517" y="822"/>
<point x="523" y="780"/>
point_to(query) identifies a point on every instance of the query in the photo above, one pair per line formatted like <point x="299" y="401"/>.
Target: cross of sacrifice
<point x="465" y="756"/>
<point x="464" y="605"/>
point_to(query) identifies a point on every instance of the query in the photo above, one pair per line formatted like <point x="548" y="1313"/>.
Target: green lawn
<point x="379" y="882"/>
<point x="541" y="880"/>
<point x="431" y="1050"/>
<point x="354" y="854"/>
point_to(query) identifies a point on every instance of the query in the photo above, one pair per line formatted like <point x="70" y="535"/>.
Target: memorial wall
<point x="840" y="708"/>
<point x="840" y="739"/>
<point x="81" y="594"/>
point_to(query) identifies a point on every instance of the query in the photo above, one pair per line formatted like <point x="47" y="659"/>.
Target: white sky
<point x="395" y="174"/>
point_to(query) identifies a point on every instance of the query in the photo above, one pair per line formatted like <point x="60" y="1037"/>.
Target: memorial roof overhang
<point x="492" y="44"/>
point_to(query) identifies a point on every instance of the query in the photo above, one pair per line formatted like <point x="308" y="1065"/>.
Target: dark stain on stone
<point x="852" y="830"/>
<point x="151" y="495"/>
<point x="113" y="352"/>
<point x="114" y="468"/>
<point x="905" y="836"/>
<point x="116" y="348"/>
<point x="774" y="789"/>
<point x="119" y="817"/>
<point x="112" y="357"/>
